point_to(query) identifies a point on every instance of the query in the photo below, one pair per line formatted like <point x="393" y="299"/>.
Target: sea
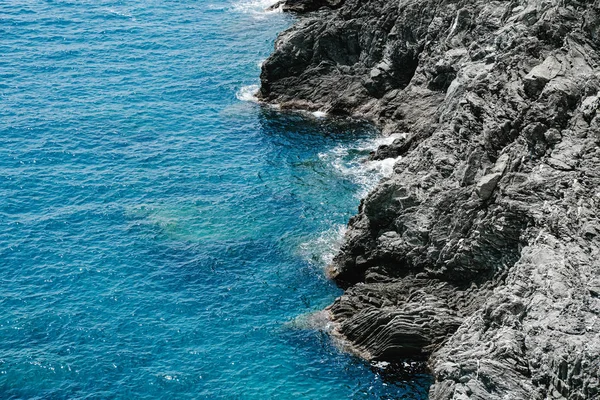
<point x="163" y="235"/>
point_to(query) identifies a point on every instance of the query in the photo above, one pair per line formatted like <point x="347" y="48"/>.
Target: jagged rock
<point x="541" y="74"/>
<point x="481" y="253"/>
<point x="396" y="149"/>
<point x="301" y="6"/>
<point x="487" y="184"/>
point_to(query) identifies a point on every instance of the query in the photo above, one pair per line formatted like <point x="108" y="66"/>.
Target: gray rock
<point x="481" y="254"/>
<point x="553" y="136"/>
<point x="301" y="6"/>
<point x="486" y="185"/>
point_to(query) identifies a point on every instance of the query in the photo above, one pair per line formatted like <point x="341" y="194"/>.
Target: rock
<point x="552" y="136"/>
<point x="557" y="163"/>
<point x="480" y="255"/>
<point x="589" y="107"/>
<point x="486" y="185"/>
<point x="396" y="149"/>
<point x="540" y="75"/>
<point x="502" y="164"/>
<point x="301" y="6"/>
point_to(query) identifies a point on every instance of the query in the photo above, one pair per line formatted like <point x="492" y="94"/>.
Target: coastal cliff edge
<point x="481" y="253"/>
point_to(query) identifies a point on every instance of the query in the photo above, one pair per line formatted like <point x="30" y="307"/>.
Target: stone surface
<point x="301" y="6"/>
<point x="486" y="185"/>
<point x="481" y="253"/>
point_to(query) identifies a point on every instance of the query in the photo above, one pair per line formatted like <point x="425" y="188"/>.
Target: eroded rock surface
<point x="301" y="6"/>
<point x="481" y="254"/>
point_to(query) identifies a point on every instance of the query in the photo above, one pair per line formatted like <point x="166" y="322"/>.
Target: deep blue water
<point x="159" y="237"/>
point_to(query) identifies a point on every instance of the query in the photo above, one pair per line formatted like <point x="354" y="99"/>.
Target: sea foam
<point x="366" y="174"/>
<point x="247" y="93"/>
<point x="321" y="250"/>
<point x="256" y="7"/>
<point x="349" y="162"/>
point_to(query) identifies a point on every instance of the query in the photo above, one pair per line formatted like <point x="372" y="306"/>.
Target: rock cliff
<point x="481" y="254"/>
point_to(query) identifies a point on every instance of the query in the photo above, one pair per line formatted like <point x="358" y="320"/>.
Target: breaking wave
<point x="320" y="251"/>
<point x="350" y="161"/>
<point x="247" y="93"/>
<point x="257" y="7"/>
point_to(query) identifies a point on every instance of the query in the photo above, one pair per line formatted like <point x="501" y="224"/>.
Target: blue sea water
<point x="159" y="236"/>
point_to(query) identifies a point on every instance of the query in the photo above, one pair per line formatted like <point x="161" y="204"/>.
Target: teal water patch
<point x="159" y="236"/>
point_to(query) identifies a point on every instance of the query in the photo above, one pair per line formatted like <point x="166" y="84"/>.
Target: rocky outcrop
<point x="481" y="254"/>
<point x="301" y="6"/>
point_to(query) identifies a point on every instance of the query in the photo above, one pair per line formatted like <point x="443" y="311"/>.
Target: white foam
<point x="373" y="144"/>
<point x="380" y="364"/>
<point x="319" y="114"/>
<point x="343" y="159"/>
<point x="123" y="14"/>
<point x="321" y="250"/>
<point x="317" y="320"/>
<point x="247" y="93"/>
<point x="256" y="7"/>
<point x="366" y="174"/>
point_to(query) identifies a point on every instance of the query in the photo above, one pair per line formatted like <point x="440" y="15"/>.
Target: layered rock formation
<point x="481" y="254"/>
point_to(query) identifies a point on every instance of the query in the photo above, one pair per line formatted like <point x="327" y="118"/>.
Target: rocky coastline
<point x="480" y="255"/>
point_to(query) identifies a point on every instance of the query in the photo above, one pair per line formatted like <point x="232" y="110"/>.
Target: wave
<point x="257" y="7"/>
<point x="122" y="14"/>
<point x="349" y="162"/>
<point x="320" y="251"/>
<point x="247" y="93"/>
<point x="366" y="174"/>
<point x="315" y="320"/>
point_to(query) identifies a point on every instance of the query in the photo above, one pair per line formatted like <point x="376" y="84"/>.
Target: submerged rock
<point x="481" y="253"/>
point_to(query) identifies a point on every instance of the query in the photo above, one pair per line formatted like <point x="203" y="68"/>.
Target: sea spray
<point x="349" y="161"/>
<point x="321" y="250"/>
<point x="256" y="7"/>
<point x="247" y="93"/>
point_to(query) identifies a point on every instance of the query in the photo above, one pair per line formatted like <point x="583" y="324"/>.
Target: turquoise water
<point x="160" y="237"/>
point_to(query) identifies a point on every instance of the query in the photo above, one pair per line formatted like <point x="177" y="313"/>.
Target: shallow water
<point x="158" y="235"/>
